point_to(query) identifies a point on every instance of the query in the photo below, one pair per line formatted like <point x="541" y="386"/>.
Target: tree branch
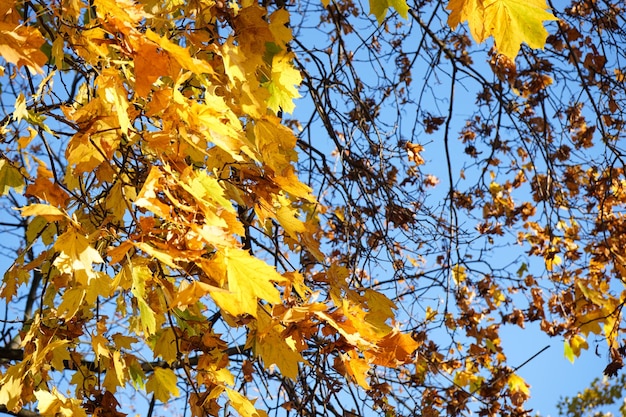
<point x="8" y="354"/>
<point x="22" y="413"/>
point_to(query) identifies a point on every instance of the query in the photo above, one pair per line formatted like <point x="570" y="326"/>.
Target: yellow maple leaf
<point x="244" y="407"/>
<point x="513" y="22"/>
<point x="379" y="8"/>
<point x="76" y="256"/>
<point x="50" y="213"/>
<point x="20" y="44"/>
<point x="126" y="11"/>
<point x="552" y="260"/>
<point x="471" y="11"/>
<point x="274" y="348"/>
<point x="249" y="279"/>
<point x="165" y="345"/>
<point x="11" y="387"/>
<point x="72" y="301"/>
<point x="49" y="403"/>
<point x="394" y="349"/>
<point x="380" y="310"/>
<point x="357" y="368"/>
<point x="10" y="178"/>
<point x="510" y="22"/>
<point x="517" y="384"/>
<point x="458" y="274"/>
<point x="151" y="63"/>
<point x="344" y="329"/>
<point x="189" y="294"/>
<point x="180" y="54"/>
<point x="279" y="21"/>
<point x="112" y="92"/>
<point x="283" y="84"/>
<point x="573" y="346"/>
<point x="163" y="384"/>
<point x="275" y="142"/>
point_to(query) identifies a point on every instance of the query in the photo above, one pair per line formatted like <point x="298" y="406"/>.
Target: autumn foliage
<point x="178" y="234"/>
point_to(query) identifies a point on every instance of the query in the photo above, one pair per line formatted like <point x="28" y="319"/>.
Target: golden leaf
<point x="394" y="349"/>
<point x="243" y="406"/>
<point x="379" y="8"/>
<point x="165" y="345"/>
<point x="76" y="256"/>
<point x="471" y="11"/>
<point x="283" y="84"/>
<point x="249" y="279"/>
<point x="274" y="349"/>
<point x="180" y="54"/>
<point x="163" y="384"/>
<point x="279" y="21"/>
<point x="510" y="22"/>
<point x="189" y="294"/>
<point x="50" y="213"/>
<point x="458" y="274"/>
<point x="20" y="44"/>
<point x="357" y="368"/>
<point x="10" y="178"/>
<point x="150" y="64"/>
<point x="517" y="384"/>
<point x="49" y="402"/>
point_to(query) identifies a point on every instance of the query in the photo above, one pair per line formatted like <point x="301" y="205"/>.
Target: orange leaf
<point x="191" y="293"/>
<point x="20" y="44"/>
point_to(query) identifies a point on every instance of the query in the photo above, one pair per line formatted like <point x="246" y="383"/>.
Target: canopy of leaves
<point x="256" y="208"/>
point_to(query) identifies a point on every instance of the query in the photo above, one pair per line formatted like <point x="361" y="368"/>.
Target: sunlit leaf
<point x="379" y="8"/>
<point x="10" y="178"/>
<point x="510" y="22"/>
<point x="163" y="384"/>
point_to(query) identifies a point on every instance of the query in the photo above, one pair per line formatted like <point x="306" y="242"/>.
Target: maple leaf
<point x="274" y="348"/>
<point x="163" y="384"/>
<point x="46" y="211"/>
<point x="613" y="368"/>
<point x="458" y="274"/>
<point x="244" y="407"/>
<point x="180" y="54"/>
<point x="76" y="256"/>
<point x="510" y="22"/>
<point x="165" y="345"/>
<point x="189" y="294"/>
<point x="573" y="346"/>
<point x="379" y="8"/>
<point x="20" y="44"/>
<point x="279" y="21"/>
<point x="113" y="93"/>
<point x="46" y="188"/>
<point x="249" y="279"/>
<point x="10" y="178"/>
<point x="357" y="368"/>
<point x="471" y="11"/>
<point x="11" y="387"/>
<point x="517" y="384"/>
<point x="282" y="86"/>
<point x="49" y="402"/>
<point x="513" y="22"/>
<point x="393" y="350"/>
<point x="54" y="403"/>
<point x="150" y="64"/>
